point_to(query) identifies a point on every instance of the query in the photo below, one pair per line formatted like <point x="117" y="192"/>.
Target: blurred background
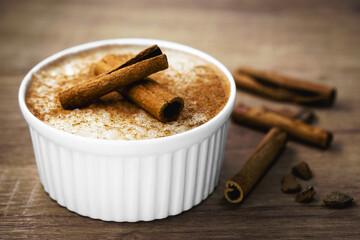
<point x="289" y="36"/>
<point x="314" y="40"/>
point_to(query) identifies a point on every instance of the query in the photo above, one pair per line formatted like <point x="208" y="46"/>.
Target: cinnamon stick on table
<point x="265" y="120"/>
<point x="84" y="94"/>
<point x="283" y="88"/>
<point x="146" y="93"/>
<point x="269" y="148"/>
<point x="243" y="181"/>
<point x="305" y="115"/>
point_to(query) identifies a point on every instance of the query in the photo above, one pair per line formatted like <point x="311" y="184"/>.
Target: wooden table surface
<point x="315" y="40"/>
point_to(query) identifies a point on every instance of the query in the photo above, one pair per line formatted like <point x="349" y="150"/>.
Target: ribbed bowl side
<point x="122" y="188"/>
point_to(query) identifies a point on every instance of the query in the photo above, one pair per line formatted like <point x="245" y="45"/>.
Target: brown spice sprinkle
<point x="203" y="87"/>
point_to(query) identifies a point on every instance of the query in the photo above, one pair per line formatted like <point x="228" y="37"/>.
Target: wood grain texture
<point x="314" y="40"/>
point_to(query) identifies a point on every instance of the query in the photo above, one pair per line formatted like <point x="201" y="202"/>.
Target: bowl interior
<point x="172" y="141"/>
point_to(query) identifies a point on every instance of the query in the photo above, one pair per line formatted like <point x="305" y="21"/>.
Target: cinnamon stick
<point x="146" y="93"/>
<point x="155" y="99"/>
<point x="82" y="95"/>
<point x="284" y="88"/>
<point x="243" y="181"/>
<point x="264" y="120"/>
<point x="305" y="115"/>
<point x="112" y="63"/>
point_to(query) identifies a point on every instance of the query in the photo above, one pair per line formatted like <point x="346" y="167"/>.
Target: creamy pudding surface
<point x="204" y="88"/>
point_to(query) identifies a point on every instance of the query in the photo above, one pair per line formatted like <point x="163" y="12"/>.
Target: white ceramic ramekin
<point x="120" y="180"/>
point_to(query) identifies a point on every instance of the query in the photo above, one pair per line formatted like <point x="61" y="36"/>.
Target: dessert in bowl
<point x="113" y="161"/>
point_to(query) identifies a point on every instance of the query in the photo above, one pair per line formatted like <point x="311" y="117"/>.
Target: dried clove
<point x="305" y="195"/>
<point x="289" y="184"/>
<point x="337" y="200"/>
<point x="302" y="170"/>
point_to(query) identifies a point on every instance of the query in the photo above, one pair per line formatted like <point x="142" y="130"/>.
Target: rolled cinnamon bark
<point x="147" y="93"/>
<point x="242" y="182"/>
<point x="296" y="129"/>
<point x="283" y="88"/>
<point x="155" y="99"/>
<point x="84" y="94"/>
<point x="305" y="115"/>
<point x="112" y="62"/>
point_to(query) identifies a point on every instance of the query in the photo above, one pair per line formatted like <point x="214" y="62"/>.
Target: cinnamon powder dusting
<point x="203" y="87"/>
